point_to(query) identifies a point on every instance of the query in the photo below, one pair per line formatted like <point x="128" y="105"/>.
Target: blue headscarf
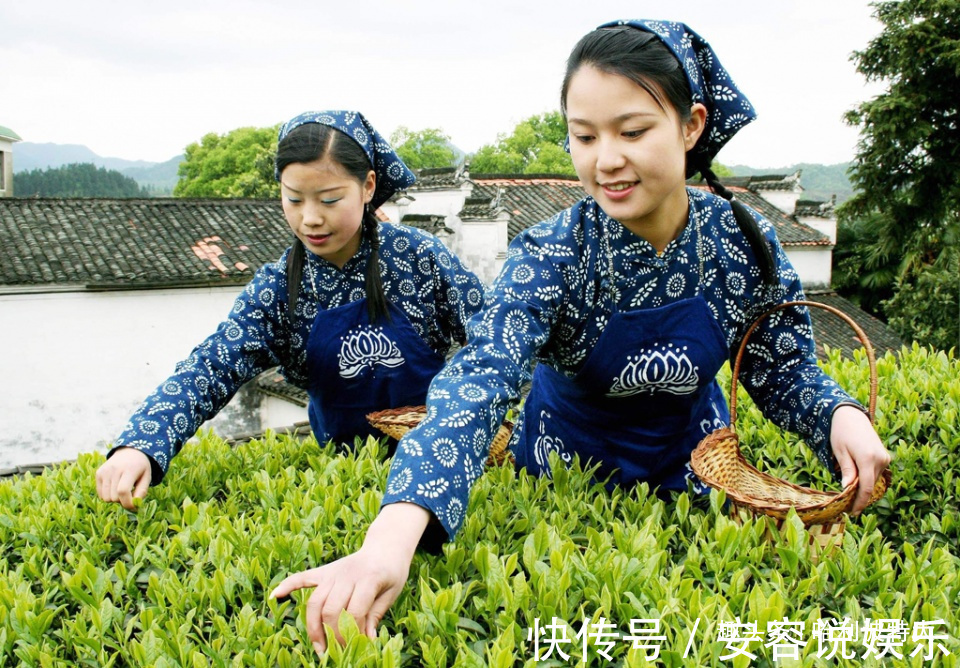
<point x="392" y="173"/>
<point x="728" y="109"/>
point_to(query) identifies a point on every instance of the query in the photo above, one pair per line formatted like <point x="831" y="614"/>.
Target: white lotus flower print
<point x="365" y="347"/>
<point x="666" y="370"/>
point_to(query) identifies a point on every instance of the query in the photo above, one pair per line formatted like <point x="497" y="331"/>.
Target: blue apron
<point x="645" y="397"/>
<point x="355" y="368"/>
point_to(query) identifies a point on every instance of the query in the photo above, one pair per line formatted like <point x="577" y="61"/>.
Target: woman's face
<point x="629" y="152"/>
<point x="324" y="206"/>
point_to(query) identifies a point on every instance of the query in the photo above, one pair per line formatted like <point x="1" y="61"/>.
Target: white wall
<point x="276" y="412"/>
<point x="76" y="365"/>
<point x="813" y="264"/>
<point x="446" y="202"/>
<point x="483" y="246"/>
<point x="825" y="226"/>
<point x="6" y="168"/>
<point x="785" y="200"/>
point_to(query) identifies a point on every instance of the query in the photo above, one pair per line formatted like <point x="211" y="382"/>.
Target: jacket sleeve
<point x="437" y="463"/>
<point x="779" y="368"/>
<point x="460" y="292"/>
<point x="244" y="344"/>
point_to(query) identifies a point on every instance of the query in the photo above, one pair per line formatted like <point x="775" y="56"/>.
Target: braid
<point x="295" y="260"/>
<point x="376" y="299"/>
<point x="746" y="223"/>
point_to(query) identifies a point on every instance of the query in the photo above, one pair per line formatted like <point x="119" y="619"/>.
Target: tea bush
<point x="184" y="581"/>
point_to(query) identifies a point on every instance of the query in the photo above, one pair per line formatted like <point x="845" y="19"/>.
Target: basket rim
<point x="862" y="335"/>
<point x="828" y="497"/>
<point x="845" y="498"/>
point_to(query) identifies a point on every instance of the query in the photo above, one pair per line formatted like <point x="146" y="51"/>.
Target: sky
<point x="141" y="81"/>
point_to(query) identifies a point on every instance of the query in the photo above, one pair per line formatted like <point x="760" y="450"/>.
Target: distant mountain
<point x="157" y="177"/>
<point x="820" y="182"/>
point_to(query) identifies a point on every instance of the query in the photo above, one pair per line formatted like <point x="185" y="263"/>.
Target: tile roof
<point x="439" y="177"/>
<point x="790" y="231"/>
<point x="816" y="208"/>
<point x="274" y="384"/>
<point x="765" y="181"/>
<point x="128" y="243"/>
<point x="33" y="469"/>
<point x="428" y="222"/>
<point x="528" y="198"/>
<point x="298" y="430"/>
<point x="830" y="330"/>
<point x="482" y="206"/>
<point x="7" y="133"/>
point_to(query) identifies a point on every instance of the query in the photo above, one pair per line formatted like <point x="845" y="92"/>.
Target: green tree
<point x="864" y="269"/>
<point x="77" y="180"/>
<point x="534" y="147"/>
<point x="722" y="171"/>
<point x="423" y="149"/>
<point x="236" y="164"/>
<point x="908" y="158"/>
<point x="925" y="303"/>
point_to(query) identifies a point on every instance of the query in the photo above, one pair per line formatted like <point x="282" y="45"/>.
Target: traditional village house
<point x="7" y="138"/>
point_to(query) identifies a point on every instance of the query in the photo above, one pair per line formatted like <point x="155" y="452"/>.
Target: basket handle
<point x="860" y="334"/>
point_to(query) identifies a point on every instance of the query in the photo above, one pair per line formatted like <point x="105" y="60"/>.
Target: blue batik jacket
<point x="430" y="284"/>
<point x="551" y="302"/>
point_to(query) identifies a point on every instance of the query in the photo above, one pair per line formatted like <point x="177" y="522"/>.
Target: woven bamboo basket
<point x="395" y="422"/>
<point x="718" y="462"/>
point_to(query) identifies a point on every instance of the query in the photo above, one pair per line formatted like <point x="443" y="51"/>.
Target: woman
<point x="359" y="313"/>
<point x="631" y="300"/>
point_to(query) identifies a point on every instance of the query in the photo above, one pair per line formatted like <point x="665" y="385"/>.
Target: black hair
<point x="641" y="57"/>
<point x="314" y="141"/>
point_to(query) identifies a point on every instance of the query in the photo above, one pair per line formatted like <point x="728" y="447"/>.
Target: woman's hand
<point x="128" y="469"/>
<point x="365" y="583"/>
<point x="858" y="451"/>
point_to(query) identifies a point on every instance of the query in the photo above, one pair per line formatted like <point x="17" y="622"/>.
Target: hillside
<point x="77" y="180"/>
<point x="157" y="177"/>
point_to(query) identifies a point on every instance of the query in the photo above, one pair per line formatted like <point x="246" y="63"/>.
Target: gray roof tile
<point x="830" y="330"/>
<point x="790" y="231"/>
<point x="528" y="198"/>
<point x="99" y="243"/>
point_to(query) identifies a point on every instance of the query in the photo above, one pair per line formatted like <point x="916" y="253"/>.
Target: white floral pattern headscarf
<point x="392" y="174"/>
<point x="728" y="109"/>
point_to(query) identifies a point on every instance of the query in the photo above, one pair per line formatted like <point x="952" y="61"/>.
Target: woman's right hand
<point x="365" y="583"/>
<point x="124" y="477"/>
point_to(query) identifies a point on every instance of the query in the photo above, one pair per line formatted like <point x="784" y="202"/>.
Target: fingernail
<point x="318" y="648"/>
<point x="273" y="594"/>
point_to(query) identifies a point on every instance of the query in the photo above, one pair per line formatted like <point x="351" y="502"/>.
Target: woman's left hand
<point x="858" y="450"/>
